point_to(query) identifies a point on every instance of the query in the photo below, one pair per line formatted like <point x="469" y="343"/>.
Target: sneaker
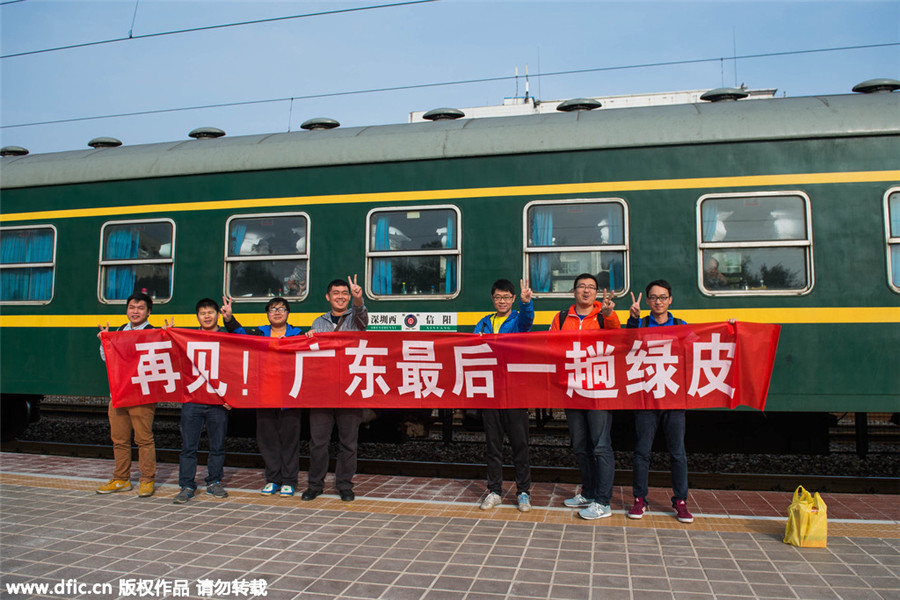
<point x="269" y="490"/>
<point x="524" y="501"/>
<point x="492" y="500"/>
<point x="681" y="512"/>
<point x="310" y="494"/>
<point x="287" y="490"/>
<point x="578" y="501"/>
<point x="146" y="489"/>
<point x="637" y="511"/>
<point x="216" y="489"/>
<point x="595" y="511"/>
<point x="183" y="496"/>
<point x="114" y="485"/>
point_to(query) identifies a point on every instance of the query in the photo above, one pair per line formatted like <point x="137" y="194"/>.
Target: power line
<point x="452" y="83"/>
<point x="210" y="27"/>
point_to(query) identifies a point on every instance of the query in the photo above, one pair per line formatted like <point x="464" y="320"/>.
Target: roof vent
<point x="724" y="94"/>
<point x="574" y="104"/>
<point x="443" y="114"/>
<point x="319" y="123"/>
<point x="877" y="85"/>
<point x="13" y="151"/>
<point x="104" y="142"/>
<point x="206" y="133"/>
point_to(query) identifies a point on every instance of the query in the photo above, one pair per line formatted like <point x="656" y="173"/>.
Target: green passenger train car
<point x="778" y="210"/>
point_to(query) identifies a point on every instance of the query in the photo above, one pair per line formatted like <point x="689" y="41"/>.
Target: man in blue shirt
<point x="646" y="422"/>
<point x="512" y="421"/>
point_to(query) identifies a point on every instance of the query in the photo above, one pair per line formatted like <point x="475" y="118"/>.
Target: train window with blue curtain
<point x="27" y="264"/>
<point x="267" y="255"/>
<point x="414" y="252"/>
<point x="754" y="244"/>
<point x="564" y="238"/>
<point x="137" y="256"/>
<point x="892" y="227"/>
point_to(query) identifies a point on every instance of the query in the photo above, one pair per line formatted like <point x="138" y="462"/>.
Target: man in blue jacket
<point x="277" y="429"/>
<point x="646" y="422"/>
<point x="512" y="421"/>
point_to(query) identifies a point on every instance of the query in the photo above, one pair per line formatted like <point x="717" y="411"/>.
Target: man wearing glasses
<point x="277" y="429"/>
<point x="646" y="422"/>
<point x="512" y="421"/>
<point x="589" y="429"/>
<point x="343" y="316"/>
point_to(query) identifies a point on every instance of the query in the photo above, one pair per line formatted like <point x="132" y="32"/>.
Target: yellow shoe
<point x="145" y="490"/>
<point x="114" y="485"/>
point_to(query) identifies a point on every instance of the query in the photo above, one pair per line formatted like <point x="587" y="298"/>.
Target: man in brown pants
<point x="132" y="419"/>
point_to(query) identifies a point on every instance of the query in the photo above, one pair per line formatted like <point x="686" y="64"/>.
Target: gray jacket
<point x="355" y="320"/>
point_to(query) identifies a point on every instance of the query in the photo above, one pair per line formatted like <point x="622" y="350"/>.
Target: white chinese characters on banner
<point x="468" y="379"/>
<point x="372" y="372"/>
<point x="155" y="366"/>
<point x="593" y="371"/>
<point x="712" y="362"/>
<point x="653" y="368"/>
<point x="419" y="369"/>
<point x="197" y="354"/>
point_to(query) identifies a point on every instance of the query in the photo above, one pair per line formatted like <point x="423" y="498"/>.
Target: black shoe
<point x="347" y="495"/>
<point x="310" y="494"/>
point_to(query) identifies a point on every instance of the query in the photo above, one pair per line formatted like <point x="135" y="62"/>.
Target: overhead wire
<point x="211" y="27"/>
<point x="292" y="99"/>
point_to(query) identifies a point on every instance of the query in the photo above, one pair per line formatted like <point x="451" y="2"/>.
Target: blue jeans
<point x="592" y="445"/>
<point x="192" y="418"/>
<point x="646" y="423"/>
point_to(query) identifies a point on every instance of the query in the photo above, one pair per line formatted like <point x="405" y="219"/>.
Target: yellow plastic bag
<point x="807" y="525"/>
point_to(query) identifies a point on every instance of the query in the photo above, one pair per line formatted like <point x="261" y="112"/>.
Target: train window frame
<point x="371" y="254"/>
<point x="892" y="243"/>
<point x="226" y="278"/>
<point x="806" y="244"/>
<point x="33" y="265"/>
<point x="104" y="263"/>
<point x="624" y="247"/>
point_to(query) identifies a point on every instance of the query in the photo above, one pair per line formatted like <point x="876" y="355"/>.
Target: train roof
<point x="757" y="120"/>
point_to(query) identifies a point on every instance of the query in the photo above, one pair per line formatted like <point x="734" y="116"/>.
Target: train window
<point x="566" y="238"/>
<point x="267" y="256"/>
<point x="754" y="244"/>
<point x="413" y="252"/>
<point x="892" y="225"/>
<point x="27" y="261"/>
<point x="136" y="256"/>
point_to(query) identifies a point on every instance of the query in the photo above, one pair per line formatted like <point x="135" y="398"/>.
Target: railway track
<point x="878" y="432"/>
<point x="713" y="481"/>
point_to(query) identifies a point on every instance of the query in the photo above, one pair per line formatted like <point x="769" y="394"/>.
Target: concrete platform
<point x="411" y="538"/>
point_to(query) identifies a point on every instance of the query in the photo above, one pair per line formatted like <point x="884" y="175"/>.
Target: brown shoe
<point x="145" y="490"/>
<point x="114" y="485"/>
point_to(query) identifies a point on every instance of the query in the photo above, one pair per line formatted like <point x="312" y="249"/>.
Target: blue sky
<point x="446" y="40"/>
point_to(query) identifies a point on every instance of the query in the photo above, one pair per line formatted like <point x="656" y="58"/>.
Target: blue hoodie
<point x="516" y="322"/>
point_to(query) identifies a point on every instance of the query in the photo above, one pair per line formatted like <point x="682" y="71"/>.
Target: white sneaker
<point x="578" y="501"/>
<point x="269" y="490"/>
<point x="595" y="511"/>
<point x="492" y="500"/>
<point x="524" y="501"/>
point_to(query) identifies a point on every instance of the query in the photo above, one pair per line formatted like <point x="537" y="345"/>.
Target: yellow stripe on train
<point x="451" y="194"/>
<point x="843" y="314"/>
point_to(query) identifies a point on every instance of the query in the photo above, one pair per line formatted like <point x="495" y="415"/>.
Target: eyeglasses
<point x="657" y="298"/>
<point x="586" y="288"/>
<point x="277" y="309"/>
<point x="504" y="298"/>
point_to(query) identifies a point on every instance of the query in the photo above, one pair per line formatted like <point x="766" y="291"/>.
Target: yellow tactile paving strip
<point x="506" y="513"/>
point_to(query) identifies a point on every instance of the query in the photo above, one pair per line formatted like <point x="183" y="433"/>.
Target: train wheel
<point x="16" y="412"/>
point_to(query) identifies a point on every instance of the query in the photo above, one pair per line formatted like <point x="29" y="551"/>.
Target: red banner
<point x="684" y="366"/>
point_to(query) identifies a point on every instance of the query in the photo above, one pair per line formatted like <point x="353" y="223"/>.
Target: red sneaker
<point x="681" y="512"/>
<point x="637" y="511"/>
